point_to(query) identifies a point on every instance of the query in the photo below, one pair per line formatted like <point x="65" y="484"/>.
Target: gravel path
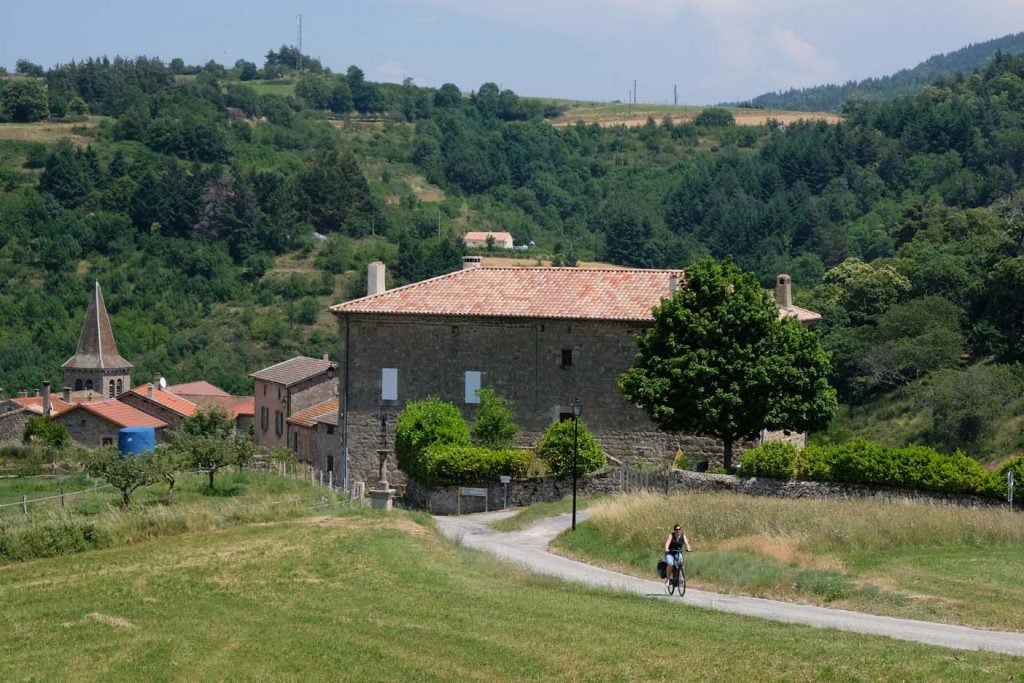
<point x="529" y="548"/>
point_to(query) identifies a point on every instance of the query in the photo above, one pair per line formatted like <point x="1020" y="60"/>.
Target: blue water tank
<point x="136" y="440"/>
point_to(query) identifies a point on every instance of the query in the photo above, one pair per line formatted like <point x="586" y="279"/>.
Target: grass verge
<point x="901" y="559"/>
<point x="325" y="598"/>
<point x="539" y="511"/>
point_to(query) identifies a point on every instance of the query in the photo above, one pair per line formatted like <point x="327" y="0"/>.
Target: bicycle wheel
<point x="671" y="581"/>
<point x="681" y="588"/>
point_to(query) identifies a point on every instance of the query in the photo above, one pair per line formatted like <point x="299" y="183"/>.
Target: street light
<point x="577" y="408"/>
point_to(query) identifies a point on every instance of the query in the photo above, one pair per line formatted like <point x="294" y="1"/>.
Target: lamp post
<point x="577" y="408"/>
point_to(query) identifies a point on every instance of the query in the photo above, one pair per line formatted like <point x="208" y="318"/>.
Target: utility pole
<point x="675" y="94"/>
<point x="634" y="91"/>
<point x="439" y="222"/>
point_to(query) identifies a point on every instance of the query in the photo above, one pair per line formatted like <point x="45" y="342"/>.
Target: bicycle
<point x="675" y="580"/>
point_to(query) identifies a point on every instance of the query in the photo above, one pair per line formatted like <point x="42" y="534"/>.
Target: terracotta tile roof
<point x="173" y="402"/>
<point x="34" y="404"/>
<point x="321" y="412"/>
<point x="232" y="405"/>
<point x="561" y="293"/>
<point x="566" y="293"/>
<point x="96" y="346"/>
<point x="294" y="370"/>
<point x="118" y="413"/>
<point x="200" y="388"/>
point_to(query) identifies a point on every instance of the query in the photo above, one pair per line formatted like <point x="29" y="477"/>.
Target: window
<point x="265" y="417"/>
<point x="107" y="441"/>
<point x="78" y="385"/>
<point x="330" y="463"/>
<point x="279" y="422"/>
<point x="389" y="384"/>
<point x="330" y="429"/>
<point x="88" y="384"/>
<point x="472" y="386"/>
<point x="566" y="358"/>
<point x="110" y="390"/>
<point x="295" y="441"/>
<point x="264" y="389"/>
<point x="120" y="386"/>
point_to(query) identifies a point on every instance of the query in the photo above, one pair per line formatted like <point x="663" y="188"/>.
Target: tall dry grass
<point x="819" y="526"/>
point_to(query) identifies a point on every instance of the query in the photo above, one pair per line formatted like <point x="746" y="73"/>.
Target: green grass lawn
<point x="534" y="513"/>
<point x="327" y="597"/>
<point x="917" y="561"/>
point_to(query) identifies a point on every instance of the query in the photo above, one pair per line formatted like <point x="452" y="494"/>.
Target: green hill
<point x="904" y="82"/>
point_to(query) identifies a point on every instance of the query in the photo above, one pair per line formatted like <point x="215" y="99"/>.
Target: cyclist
<point x="674" y="545"/>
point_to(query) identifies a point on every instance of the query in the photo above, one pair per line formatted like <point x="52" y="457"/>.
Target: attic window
<point x="566" y="358"/>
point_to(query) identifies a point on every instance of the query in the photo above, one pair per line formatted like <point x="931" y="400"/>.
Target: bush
<point x="555" y="448"/>
<point x="421" y="425"/>
<point x="494" y="424"/>
<point x="914" y="467"/>
<point x="449" y="464"/>
<point x="774" y="460"/>
<point x="999" y="478"/>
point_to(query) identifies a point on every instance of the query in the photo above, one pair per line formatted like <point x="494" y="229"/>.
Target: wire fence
<point x="62" y="496"/>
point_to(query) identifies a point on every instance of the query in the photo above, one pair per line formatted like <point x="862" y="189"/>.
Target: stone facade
<point x="538" y="366"/>
<point x="316" y="445"/>
<point x="92" y="431"/>
<point x="12" y="426"/>
<point x="276" y="402"/>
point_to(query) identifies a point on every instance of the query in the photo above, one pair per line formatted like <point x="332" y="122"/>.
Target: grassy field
<point x="49" y="131"/>
<point x="617" y="113"/>
<point x="325" y="598"/>
<point x="924" y="562"/>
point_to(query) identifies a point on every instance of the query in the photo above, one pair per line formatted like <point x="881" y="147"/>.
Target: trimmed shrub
<point x="773" y="460"/>
<point x="555" y="448"/>
<point x="449" y="464"/>
<point x="494" y="424"/>
<point x="998" y="482"/>
<point x="421" y="425"/>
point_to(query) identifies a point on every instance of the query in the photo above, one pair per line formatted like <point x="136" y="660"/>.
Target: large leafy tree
<point x="718" y="362"/>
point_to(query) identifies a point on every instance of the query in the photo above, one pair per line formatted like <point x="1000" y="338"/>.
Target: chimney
<point x="36" y="393"/>
<point x="149" y="391"/>
<point x="156" y="380"/>
<point x="784" y="291"/>
<point x="673" y="285"/>
<point x="22" y="394"/>
<point x="327" y="356"/>
<point x="67" y="395"/>
<point x="375" y="278"/>
<point x="46" y="399"/>
<point x="471" y="262"/>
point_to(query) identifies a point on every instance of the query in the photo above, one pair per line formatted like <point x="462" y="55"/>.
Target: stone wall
<point x="618" y="480"/>
<point x="12" y="426"/>
<point x="151" y="407"/>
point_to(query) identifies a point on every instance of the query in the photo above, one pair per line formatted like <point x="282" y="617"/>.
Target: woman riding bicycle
<point x="674" y="545"/>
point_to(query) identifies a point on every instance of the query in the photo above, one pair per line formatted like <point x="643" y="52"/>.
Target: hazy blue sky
<point x="714" y="50"/>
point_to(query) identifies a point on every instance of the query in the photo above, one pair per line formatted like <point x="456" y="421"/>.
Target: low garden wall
<point x="446" y="500"/>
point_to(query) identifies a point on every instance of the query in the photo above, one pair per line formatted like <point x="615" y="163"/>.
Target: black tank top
<point x="676" y="543"/>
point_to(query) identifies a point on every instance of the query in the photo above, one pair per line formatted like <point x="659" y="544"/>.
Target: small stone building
<point x="97" y="423"/>
<point x="540" y="337"/>
<point x="479" y="240"/>
<point x="288" y="388"/>
<point x="313" y="435"/>
<point x="97" y="369"/>
<point x="205" y="395"/>
<point x="154" y="400"/>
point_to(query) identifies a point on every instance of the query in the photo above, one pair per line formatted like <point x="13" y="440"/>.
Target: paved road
<point x="529" y="548"/>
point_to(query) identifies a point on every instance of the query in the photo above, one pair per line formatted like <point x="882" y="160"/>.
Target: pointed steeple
<point x="97" y="349"/>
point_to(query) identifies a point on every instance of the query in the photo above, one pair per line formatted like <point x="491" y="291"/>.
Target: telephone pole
<point x="298" y="58"/>
<point x="675" y="94"/>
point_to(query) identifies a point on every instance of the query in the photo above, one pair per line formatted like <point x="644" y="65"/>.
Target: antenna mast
<point x="298" y="58"/>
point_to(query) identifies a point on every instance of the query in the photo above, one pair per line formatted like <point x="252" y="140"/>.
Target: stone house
<point x="312" y="435"/>
<point x="540" y="337"/>
<point x="12" y="425"/>
<point x="478" y="240"/>
<point x="154" y="400"/>
<point x="97" y="423"/>
<point x="288" y="388"/>
<point x="205" y="395"/>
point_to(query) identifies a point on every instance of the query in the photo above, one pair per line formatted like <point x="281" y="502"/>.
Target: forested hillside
<point x="223" y="209"/>
<point x="904" y="82"/>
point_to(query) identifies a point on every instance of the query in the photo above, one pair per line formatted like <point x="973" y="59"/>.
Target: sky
<point x="710" y="50"/>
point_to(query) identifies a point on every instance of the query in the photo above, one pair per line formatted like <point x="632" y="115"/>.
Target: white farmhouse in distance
<point x="478" y="240"/>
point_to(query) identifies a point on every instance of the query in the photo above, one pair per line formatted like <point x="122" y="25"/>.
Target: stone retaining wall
<point x="444" y="501"/>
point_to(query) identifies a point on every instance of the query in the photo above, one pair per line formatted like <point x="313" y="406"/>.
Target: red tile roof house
<point x="313" y="435"/>
<point x="288" y="388"/>
<point x="205" y="395"/>
<point x="539" y="337"/>
<point x="97" y="423"/>
<point x="160" y="403"/>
